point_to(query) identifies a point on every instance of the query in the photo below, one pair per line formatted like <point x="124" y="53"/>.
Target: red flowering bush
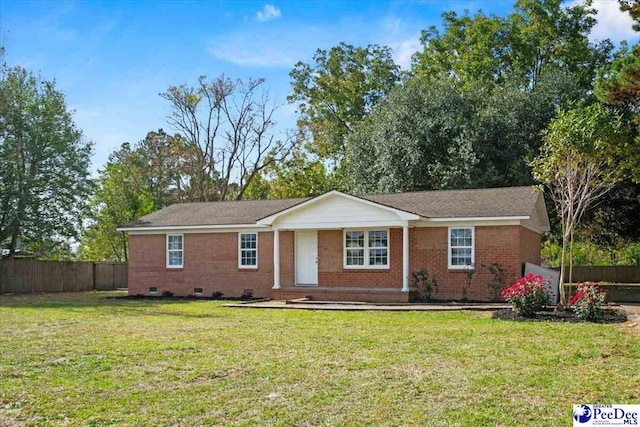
<point x="588" y="301"/>
<point x="528" y="295"/>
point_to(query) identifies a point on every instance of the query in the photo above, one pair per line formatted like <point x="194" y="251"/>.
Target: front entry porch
<point x="367" y="265"/>
<point x="344" y="248"/>
<point x="355" y="294"/>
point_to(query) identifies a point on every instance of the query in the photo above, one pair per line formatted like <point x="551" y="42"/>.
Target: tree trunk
<point x="571" y="263"/>
<point x="15" y="232"/>
<point x="563" y="297"/>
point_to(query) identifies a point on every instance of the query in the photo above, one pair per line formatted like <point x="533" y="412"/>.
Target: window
<point x="461" y="247"/>
<point x="175" y="250"/>
<point x="366" y="249"/>
<point x="248" y="250"/>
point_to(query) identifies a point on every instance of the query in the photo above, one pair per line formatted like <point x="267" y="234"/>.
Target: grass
<point x="83" y="359"/>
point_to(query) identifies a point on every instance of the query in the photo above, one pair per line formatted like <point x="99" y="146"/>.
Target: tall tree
<point x="135" y="181"/>
<point x="539" y="36"/>
<point x="161" y="160"/>
<point x="229" y="132"/>
<point x="44" y="162"/>
<point x="337" y="90"/>
<point x="431" y="135"/>
<point x="420" y="138"/>
<point x="586" y="151"/>
<point x="118" y="200"/>
<point x="509" y="123"/>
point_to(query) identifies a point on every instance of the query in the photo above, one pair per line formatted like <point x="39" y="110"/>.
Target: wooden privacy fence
<point x="29" y="276"/>
<point x="613" y="274"/>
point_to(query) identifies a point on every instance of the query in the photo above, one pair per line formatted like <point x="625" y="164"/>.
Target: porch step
<point x="352" y="295"/>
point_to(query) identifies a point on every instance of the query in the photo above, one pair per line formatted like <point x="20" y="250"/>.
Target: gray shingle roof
<point x="490" y="202"/>
<point x="508" y="201"/>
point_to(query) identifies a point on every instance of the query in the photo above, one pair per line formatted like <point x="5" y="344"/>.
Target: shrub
<point x="424" y="284"/>
<point x="467" y="283"/>
<point x="588" y="300"/>
<point x="528" y="295"/>
<point x="500" y="277"/>
<point x="167" y="294"/>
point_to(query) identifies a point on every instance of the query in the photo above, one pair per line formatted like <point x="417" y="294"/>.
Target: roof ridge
<point x="452" y="190"/>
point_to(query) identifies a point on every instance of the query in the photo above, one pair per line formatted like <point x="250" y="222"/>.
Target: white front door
<point x="307" y="257"/>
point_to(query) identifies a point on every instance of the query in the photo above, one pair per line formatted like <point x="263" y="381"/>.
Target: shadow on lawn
<point x="99" y="300"/>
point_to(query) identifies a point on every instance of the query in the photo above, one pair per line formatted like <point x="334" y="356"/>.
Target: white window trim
<point x="473" y="249"/>
<point x="366" y="266"/>
<point x="175" y="250"/>
<point x="251" y="267"/>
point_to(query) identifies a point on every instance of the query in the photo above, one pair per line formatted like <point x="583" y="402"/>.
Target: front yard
<point x="82" y="359"/>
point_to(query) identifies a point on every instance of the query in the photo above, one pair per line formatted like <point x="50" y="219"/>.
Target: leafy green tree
<point x="298" y="176"/>
<point x="420" y="138"/>
<point x="160" y="159"/>
<point x="135" y="181"/>
<point x="614" y="223"/>
<point x="431" y="135"/>
<point x="509" y="123"/>
<point x="586" y="151"/>
<point x="337" y="90"/>
<point x="44" y="163"/>
<point x="117" y="201"/>
<point x="539" y="36"/>
<point x="633" y="7"/>
<point x="619" y="85"/>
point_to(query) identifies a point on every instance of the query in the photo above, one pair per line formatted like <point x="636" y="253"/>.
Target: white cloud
<point x="612" y="23"/>
<point x="269" y="12"/>
<point x="404" y="49"/>
<point x="402" y="36"/>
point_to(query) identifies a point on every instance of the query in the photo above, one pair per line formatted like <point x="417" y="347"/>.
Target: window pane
<point x="461" y="256"/>
<point x="378" y="257"/>
<point x="249" y="257"/>
<point x="461" y="237"/>
<point x="248" y="241"/>
<point x="354" y="239"/>
<point x="355" y="256"/>
<point x="175" y="242"/>
<point x="378" y="239"/>
<point x="175" y="257"/>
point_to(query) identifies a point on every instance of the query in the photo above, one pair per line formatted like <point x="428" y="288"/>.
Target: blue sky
<point x="112" y="58"/>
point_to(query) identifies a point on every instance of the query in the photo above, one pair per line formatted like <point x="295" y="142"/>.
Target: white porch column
<point x="405" y="257"/>
<point x="276" y="258"/>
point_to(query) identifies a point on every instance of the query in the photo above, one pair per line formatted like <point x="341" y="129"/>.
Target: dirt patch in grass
<point x="609" y="316"/>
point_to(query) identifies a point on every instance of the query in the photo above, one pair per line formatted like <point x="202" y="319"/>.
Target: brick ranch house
<point x="336" y="246"/>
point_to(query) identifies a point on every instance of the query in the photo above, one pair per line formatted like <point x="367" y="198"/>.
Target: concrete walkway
<point x="359" y="306"/>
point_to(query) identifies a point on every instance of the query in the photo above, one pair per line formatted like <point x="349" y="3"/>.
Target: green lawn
<point x="82" y="359"/>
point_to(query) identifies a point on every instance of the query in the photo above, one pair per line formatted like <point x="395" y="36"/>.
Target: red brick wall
<point x="331" y="271"/>
<point x="509" y="246"/>
<point x="287" y="254"/>
<point x="210" y="262"/>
